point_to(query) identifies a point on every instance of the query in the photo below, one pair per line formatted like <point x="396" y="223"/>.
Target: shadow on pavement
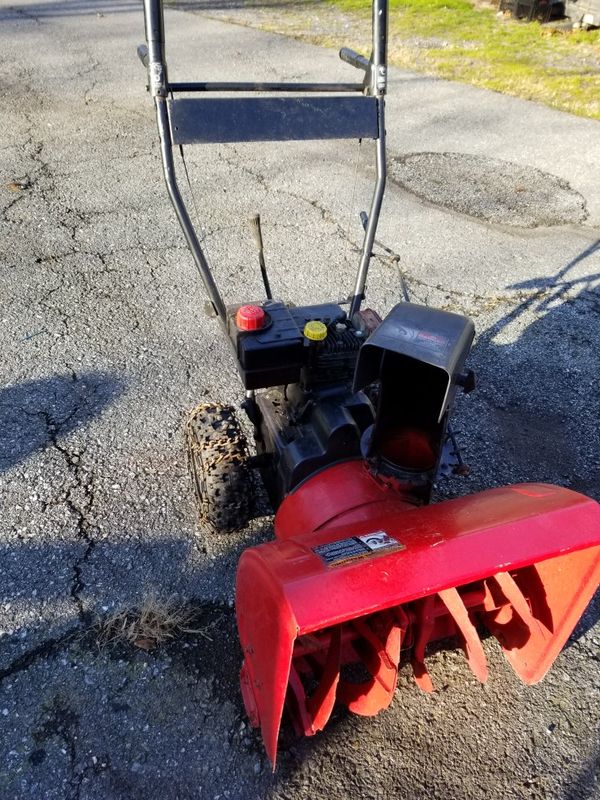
<point x="541" y="390"/>
<point x="549" y="291"/>
<point x="33" y="412"/>
<point x="585" y="784"/>
<point x="541" y="386"/>
<point x="72" y="8"/>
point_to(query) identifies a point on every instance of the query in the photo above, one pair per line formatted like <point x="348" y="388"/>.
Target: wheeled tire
<point x="218" y="461"/>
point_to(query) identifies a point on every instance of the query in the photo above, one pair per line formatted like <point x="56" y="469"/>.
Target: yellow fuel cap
<point x="315" y="331"/>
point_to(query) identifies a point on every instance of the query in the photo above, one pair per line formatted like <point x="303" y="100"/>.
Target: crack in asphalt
<point x="102" y="255"/>
<point x="12" y="203"/>
<point x="87" y="99"/>
<point x="58" y="310"/>
<point x="325" y="212"/>
<point x="33" y="149"/>
<point x="80" y="508"/>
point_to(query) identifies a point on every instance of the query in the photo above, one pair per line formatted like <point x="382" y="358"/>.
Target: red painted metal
<point x="471" y="641"/>
<point x="521" y="561"/>
<point x="342" y="494"/>
<point x="378" y="649"/>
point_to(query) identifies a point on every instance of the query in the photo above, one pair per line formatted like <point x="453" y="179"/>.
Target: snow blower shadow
<point x="584" y="785"/>
<point x="536" y="411"/>
<point x="540" y="388"/>
<point x="34" y="412"/>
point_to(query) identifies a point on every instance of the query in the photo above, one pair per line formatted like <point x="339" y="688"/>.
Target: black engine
<point x="335" y="389"/>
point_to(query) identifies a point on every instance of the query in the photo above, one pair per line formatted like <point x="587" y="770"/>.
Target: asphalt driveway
<point x="105" y="345"/>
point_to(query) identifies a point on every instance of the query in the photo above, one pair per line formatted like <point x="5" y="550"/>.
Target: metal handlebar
<point x="374" y="85"/>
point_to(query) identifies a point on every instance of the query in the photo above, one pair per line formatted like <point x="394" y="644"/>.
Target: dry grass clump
<point x="155" y="622"/>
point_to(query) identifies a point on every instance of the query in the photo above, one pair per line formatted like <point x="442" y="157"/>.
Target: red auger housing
<point x="359" y="572"/>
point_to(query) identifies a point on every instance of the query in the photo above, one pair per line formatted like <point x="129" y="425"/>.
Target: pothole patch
<point x="490" y="189"/>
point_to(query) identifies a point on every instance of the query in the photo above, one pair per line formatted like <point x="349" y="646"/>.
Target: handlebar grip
<point x="354" y="59"/>
<point x="142" y="52"/>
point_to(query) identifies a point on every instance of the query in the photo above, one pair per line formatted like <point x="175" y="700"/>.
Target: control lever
<point x="258" y="240"/>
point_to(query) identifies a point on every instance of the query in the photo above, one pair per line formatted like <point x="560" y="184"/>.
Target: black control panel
<point x="274" y="354"/>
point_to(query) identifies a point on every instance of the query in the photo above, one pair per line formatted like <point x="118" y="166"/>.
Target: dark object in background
<point x="542" y="10"/>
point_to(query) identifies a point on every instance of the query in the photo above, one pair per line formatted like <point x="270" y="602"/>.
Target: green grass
<point x="461" y="40"/>
<point x="457" y="40"/>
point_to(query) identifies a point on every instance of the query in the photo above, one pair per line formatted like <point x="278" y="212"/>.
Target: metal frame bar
<point x="378" y="88"/>
<point x="211" y="86"/>
<point x="153" y="57"/>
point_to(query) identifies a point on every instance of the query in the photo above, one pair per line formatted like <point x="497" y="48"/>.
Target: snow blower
<point x="351" y="424"/>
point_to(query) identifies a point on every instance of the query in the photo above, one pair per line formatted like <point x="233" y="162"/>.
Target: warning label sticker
<point x="344" y="550"/>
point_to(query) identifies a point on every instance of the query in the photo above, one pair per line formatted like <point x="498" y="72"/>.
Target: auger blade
<point x="310" y="713"/>
<point x="424" y="626"/>
<point x="323" y="615"/>
<point x="472" y="643"/>
<point x="377" y="649"/>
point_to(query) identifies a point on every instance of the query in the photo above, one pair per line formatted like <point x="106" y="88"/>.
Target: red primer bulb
<point x="250" y="318"/>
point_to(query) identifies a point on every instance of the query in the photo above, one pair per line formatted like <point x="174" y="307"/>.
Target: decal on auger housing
<point x="351" y="423"/>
